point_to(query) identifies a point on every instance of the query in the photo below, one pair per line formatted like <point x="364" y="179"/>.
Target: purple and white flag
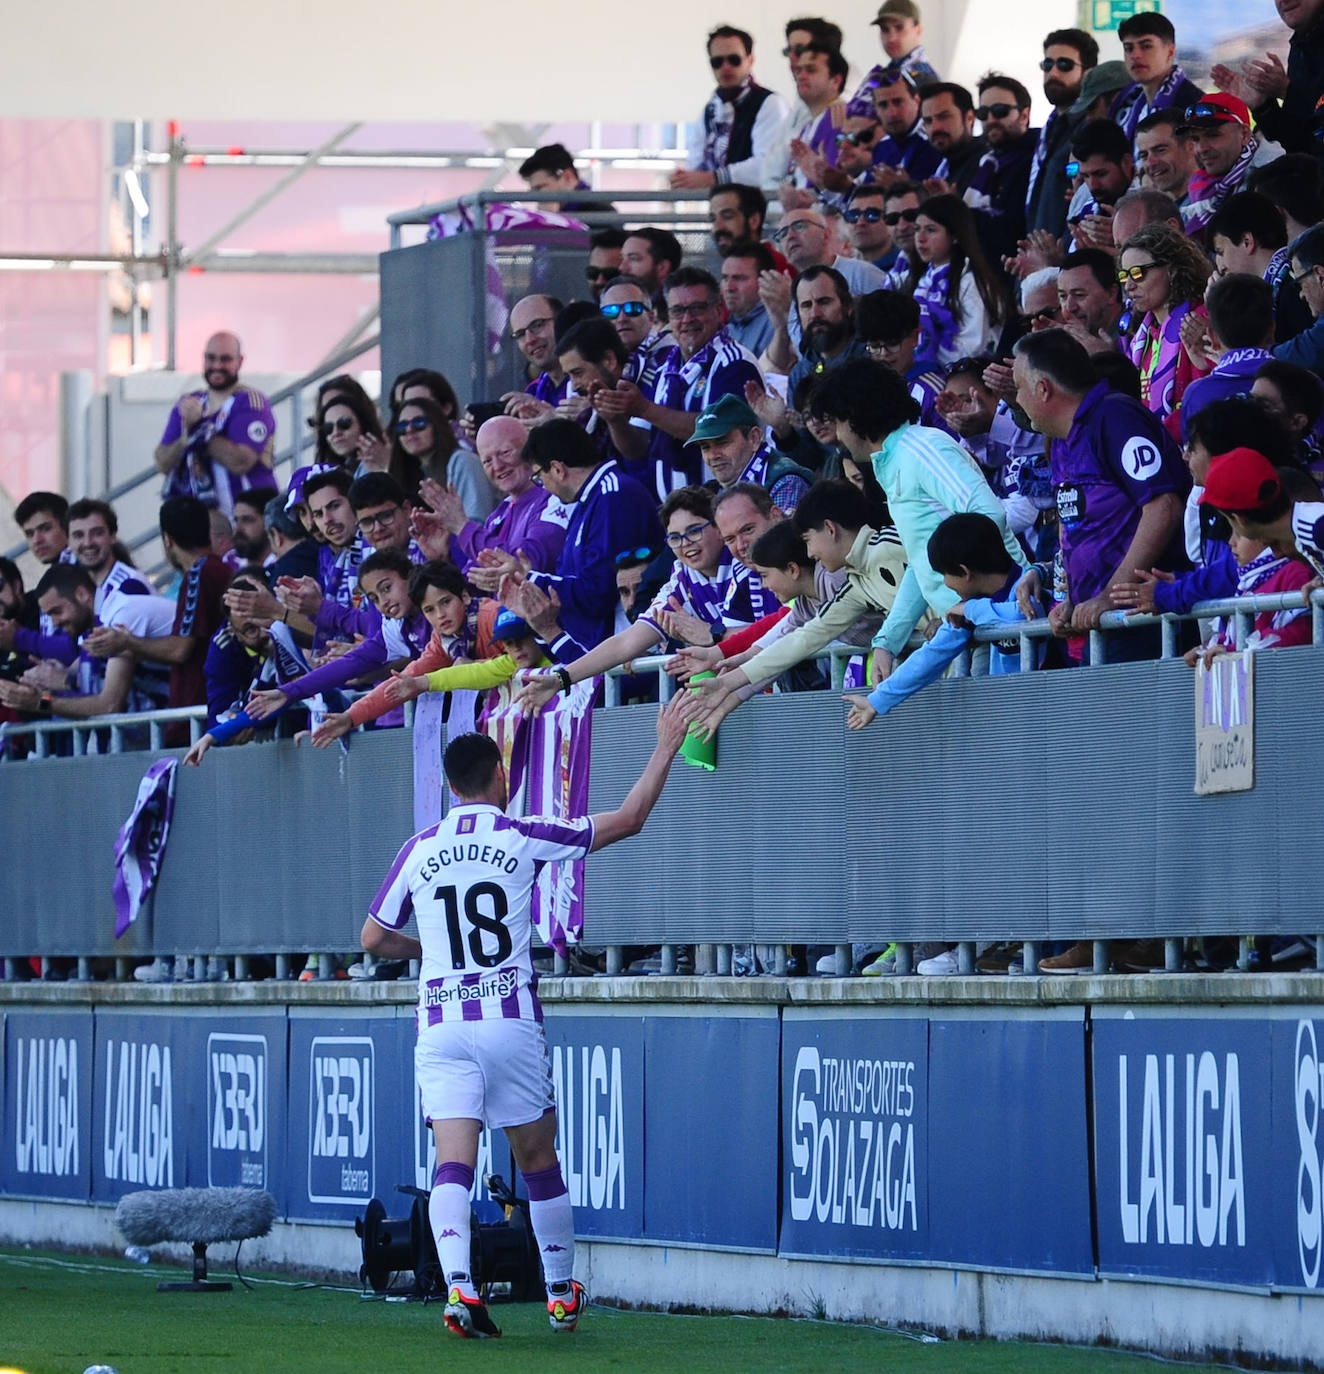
<point x="547" y="764"/>
<point x="140" y="845"/>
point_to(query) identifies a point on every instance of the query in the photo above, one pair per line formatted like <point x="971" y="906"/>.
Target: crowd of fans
<point x="975" y="372"/>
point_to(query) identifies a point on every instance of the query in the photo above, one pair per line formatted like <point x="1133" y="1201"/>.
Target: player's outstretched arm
<point x="610" y="826"/>
<point x="388" y="944"/>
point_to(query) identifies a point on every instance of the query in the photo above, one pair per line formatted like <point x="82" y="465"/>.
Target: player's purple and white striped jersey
<point x="468" y="882"/>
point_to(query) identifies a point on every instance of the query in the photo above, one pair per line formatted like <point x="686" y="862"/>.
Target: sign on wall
<point x="1225" y="724"/>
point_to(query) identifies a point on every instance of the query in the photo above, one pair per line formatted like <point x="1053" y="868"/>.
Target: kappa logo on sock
<point x="450" y="1231"/>
<point x="551" y="1249"/>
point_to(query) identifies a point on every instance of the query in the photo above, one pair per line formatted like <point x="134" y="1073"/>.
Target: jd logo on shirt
<point x="1140" y="459"/>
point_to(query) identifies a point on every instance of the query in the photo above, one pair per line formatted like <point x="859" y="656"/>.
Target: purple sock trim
<point x="545" y="1184"/>
<point x="453" y="1172"/>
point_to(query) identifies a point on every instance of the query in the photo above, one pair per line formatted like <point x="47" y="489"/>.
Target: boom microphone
<point x="195" y="1215"/>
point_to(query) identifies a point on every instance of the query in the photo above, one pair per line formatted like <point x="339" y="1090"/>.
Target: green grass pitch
<point x="62" y="1313"/>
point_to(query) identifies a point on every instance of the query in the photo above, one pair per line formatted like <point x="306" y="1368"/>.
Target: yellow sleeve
<point x="487" y="672"/>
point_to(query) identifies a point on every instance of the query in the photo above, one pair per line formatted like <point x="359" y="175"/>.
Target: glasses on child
<point x="691" y="534"/>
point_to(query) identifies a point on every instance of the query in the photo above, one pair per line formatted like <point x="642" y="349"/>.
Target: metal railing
<point x="607" y="217"/>
<point x="721" y="959"/>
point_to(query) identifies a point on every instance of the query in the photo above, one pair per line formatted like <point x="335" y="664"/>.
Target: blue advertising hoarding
<point x="46" y="1140"/>
<point x="598" y="1075"/>
<point x="351" y="1104"/>
<point x="855" y="1116"/>
<point x="1184" y="1160"/>
<point x="1298" y="1153"/>
<point x="1007" y="1130"/>
<point x="710" y="1130"/>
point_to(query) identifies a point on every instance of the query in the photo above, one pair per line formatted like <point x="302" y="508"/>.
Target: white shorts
<point x="497" y="1072"/>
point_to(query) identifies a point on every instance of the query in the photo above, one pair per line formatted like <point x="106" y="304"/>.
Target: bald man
<point x="218" y="441"/>
<point x="528" y="522"/>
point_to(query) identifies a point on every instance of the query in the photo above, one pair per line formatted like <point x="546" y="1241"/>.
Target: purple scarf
<point x="1207" y="193"/>
<point x="140" y="845"/>
<point x="1130" y="107"/>
<point x="938" y="323"/>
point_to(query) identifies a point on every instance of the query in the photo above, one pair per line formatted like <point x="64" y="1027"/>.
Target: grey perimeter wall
<point x="1047" y="806"/>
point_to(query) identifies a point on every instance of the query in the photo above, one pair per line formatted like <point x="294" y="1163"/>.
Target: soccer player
<point x="481" y="1054"/>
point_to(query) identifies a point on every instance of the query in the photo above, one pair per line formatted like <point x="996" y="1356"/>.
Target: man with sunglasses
<point x="1068" y="55"/>
<point x="1226" y="149"/>
<point x="742" y="126"/>
<point x="869" y="234"/>
<point x="218" y="440"/>
<point x="996" y="191"/>
<point x="604" y="260"/>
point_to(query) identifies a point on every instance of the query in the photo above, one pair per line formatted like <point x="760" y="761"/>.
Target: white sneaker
<point x="946" y="963"/>
<point x="826" y="966"/>
<point x="158" y="971"/>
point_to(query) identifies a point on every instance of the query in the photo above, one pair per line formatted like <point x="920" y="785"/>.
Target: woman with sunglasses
<point x="427" y="382"/>
<point x="351" y="435"/>
<point x="1163" y="275"/>
<point x="340" y="387"/>
<point x="961" y="301"/>
<point x="423" y="447"/>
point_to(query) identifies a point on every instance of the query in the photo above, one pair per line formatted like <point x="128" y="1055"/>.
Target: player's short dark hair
<point x="898" y="189"/>
<point x="1087" y="49"/>
<point x="187" y="521"/>
<point x="729" y="31"/>
<point x="662" y="244"/>
<point x="64" y="579"/>
<point x="760" y="253"/>
<point x="1103" y="267"/>
<point x="961" y="97"/>
<point x="554" y="158"/>
<point x="575" y="313"/>
<point x="337" y="478"/>
<point x="1148" y="23"/>
<point x="276" y="517"/>
<point x="840" y="501"/>
<point x="89" y="506"/>
<point x="562" y="441"/>
<point x="11" y="573"/>
<point x="1241" y="309"/>
<point x="696" y="500"/>
<point x="1248" y="212"/>
<point x="438" y="573"/>
<point x="1062" y="359"/>
<point x="886" y="316"/>
<point x="1302" y="390"/>
<point x="971" y="542"/>
<point x="1007" y="83"/>
<point x="595" y="340"/>
<point x="780" y="546"/>
<point x="1240" y="422"/>
<point x="36" y="502"/>
<point x="376" y="489"/>
<point x="872" y="398"/>
<point x="1101" y="138"/>
<point x="752" y="200"/>
<point x="471" y="762"/>
<point x="607" y="238"/>
<point x="387" y="560"/>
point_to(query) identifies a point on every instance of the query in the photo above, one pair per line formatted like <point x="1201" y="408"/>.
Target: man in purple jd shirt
<point x="1120" y="483"/>
<point x="219" y="440"/>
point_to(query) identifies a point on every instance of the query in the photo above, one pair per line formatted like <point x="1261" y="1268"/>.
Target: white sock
<point x="448" y="1211"/>
<point x="554" y="1227"/>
